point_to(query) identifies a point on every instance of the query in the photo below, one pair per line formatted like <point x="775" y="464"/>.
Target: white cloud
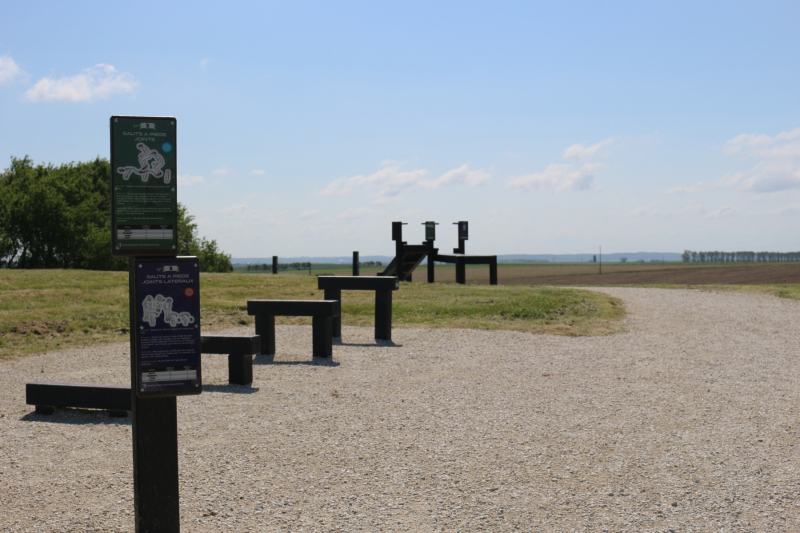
<point x="188" y="181"/>
<point x="724" y="211"/>
<point x="777" y="168"/>
<point x="97" y="82"/>
<point x="680" y="189"/>
<point x="9" y="70"/>
<point x="257" y="172"/>
<point x="350" y="214"/>
<point x="461" y="176"/>
<point x="765" y="177"/>
<point x="579" y="151"/>
<point x="649" y="209"/>
<point x="222" y="171"/>
<point x="789" y="210"/>
<point x="308" y="214"/>
<point x="390" y="181"/>
<point x="559" y="178"/>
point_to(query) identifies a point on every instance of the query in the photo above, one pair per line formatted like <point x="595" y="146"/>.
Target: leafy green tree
<point x="49" y="216"/>
<point x="60" y="217"/>
<point x="212" y="259"/>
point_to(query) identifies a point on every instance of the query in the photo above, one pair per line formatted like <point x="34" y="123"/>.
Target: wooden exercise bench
<point x="240" y="350"/>
<point x="383" y="287"/>
<point x="320" y="311"/>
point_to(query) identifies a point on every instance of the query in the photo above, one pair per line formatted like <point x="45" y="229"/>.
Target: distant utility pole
<point x="601" y="261"/>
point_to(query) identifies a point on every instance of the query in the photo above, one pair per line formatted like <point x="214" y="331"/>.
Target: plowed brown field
<point x="627" y="274"/>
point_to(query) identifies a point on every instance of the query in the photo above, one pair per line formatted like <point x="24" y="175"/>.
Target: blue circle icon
<point x="166" y="147"/>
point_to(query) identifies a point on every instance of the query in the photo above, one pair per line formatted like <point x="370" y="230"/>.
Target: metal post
<point x="274" y="264"/>
<point x="356" y="265"/>
<point x="493" y="272"/>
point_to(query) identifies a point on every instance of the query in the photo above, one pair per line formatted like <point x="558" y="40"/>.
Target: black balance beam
<point x="46" y="396"/>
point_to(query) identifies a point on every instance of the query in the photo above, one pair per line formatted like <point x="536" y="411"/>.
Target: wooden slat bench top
<point x="318" y="308"/>
<point x="230" y="344"/>
<point x="359" y="283"/>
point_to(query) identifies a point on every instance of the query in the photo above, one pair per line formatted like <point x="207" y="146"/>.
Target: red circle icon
<point x="188" y="292"/>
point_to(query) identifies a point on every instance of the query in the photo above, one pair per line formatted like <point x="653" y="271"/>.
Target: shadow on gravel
<point x="377" y="343"/>
<point x="231" y="388"/>
<point x="78" y="417"/>
<point x="270" y="360"/>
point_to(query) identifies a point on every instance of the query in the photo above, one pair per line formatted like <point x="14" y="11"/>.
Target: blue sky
<point x="306" y="128"/>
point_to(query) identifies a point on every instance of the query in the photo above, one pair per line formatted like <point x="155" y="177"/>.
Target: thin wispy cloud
<point x="204" y="63"/>
<point x="9" y="70"/>
<point x="580" y="151"/>
<point x="98" y="82"/>
<point x="188" y="180"/>
<point x="222" y="171"/>
<point x="309" y="214"/>
<point x="722" y="212"/>
<point x="776" y="169"/>
<point x="565" y="177"/>
<point x="350" y="214"/>
<point x="559" y="178"/>
<point x="390" y="181"/>
<point x="258" y="172"/>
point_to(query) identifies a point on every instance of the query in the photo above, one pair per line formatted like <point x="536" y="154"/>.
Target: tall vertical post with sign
<point x="430" y="237"/>
<point x="164" y="292"/>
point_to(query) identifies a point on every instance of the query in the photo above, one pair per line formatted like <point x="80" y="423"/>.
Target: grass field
<point x="48" y="309"/>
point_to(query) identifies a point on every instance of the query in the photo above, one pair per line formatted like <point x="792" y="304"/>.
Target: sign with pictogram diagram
<point x="144" y="195"/>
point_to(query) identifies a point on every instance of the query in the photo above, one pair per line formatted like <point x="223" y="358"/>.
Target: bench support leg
<point x="493" y="272"/>
<point x="265" y="326"/>
<point x="321" y="333"/>
<point x="240" y="369"/>
<point x="383" y="315"/>
<point x="461" y="272"/>
<point x="336" y="322"/>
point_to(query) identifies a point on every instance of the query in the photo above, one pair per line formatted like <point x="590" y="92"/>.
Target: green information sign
<point x="144" y="193"/>
<point x="430" y="231"/>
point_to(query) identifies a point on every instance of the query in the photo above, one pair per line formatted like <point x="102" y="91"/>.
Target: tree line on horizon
<point x="690" y="256"/>
<point x="60" y="217"/>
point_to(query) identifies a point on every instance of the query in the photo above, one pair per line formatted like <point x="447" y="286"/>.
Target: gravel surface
<point x="686" y="422"/>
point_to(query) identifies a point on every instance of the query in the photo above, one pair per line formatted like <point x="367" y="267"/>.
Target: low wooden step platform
<point x="46" y="396"/>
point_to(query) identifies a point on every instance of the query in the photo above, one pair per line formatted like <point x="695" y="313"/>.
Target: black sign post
<point x="164" y="296"/>
<point x="463" y="235"/>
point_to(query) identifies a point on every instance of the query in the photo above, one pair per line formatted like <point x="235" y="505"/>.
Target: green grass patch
<point x="50" y="309"/>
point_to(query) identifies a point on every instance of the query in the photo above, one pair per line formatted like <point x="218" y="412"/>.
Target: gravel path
<point x="687" y="422"/>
